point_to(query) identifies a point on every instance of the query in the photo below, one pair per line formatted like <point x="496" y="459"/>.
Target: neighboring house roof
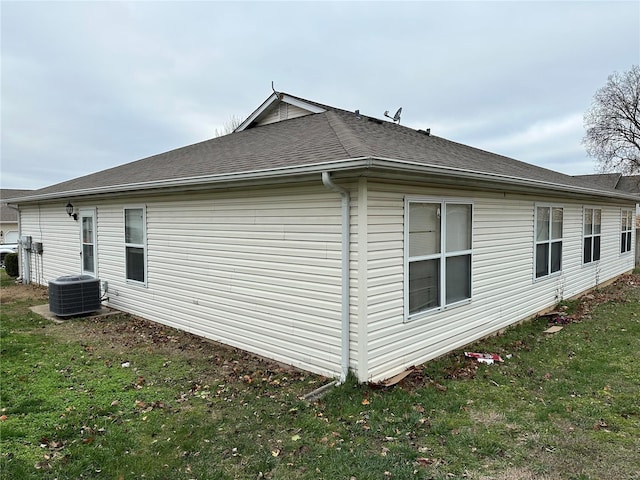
<point x="629" y="183"/>
<point x="601" y="180"/>
<point x="316" y="137"/>
<point x="615" y="181"/>
<point x="8" y="214"/>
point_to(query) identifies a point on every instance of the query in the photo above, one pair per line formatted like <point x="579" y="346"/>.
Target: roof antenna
<point x="396" y="117"/>
<point x="278" y="94"/>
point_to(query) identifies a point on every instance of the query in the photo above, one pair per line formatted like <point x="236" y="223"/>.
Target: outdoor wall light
<point x="69" y="209"/>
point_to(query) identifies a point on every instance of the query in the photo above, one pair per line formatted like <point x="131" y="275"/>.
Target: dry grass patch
<point x="488" y="418"/>
<point x="513" y="473"/>
<point x="19" y="292"/>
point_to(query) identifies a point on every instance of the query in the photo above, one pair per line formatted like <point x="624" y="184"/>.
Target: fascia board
<point x="408" y="166"/>
<point x="386" y="164"/>
<point x="254" y="175"/>
<point x="266" y="104"/>
<point x="302" y="104"/>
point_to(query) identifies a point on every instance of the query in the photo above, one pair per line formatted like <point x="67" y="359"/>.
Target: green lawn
<point x="121" y="398"/>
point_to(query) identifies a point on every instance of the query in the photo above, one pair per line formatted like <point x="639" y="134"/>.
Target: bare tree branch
<point x="228" y="127"/>
<point x="612" y="124"/>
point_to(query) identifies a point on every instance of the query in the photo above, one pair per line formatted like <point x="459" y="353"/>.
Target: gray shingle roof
<point x="616" y="181"/>
<point x="9" y="214"/>
<point x="601" y="180"/>
<point x="629" y="183"/>
<point x="332" y="136"/>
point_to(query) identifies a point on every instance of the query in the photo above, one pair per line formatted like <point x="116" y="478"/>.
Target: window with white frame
<point x="438" y="251"/>
<point x="548" y="240"/>
<point x="591" y="232"/>
<point x="135" y="244"/>
<point x="627" y="229"/>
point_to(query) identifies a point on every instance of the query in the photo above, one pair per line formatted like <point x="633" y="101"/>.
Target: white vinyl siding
<point x="283" y="111"/>
<point x="255" y="269"/>
<point x="59" y="235"/>
<point x="260" y="269"/>
<point x="504" y="287"/>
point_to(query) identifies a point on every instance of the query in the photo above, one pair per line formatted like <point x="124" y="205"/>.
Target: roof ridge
<point x="349" y="140"/>
<point x="618" y="181"/>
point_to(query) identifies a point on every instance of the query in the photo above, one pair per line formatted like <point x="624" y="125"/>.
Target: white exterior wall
<point x="259" y="270"/>
<point x="60" y="238"/>
<point x="503" y="287"/>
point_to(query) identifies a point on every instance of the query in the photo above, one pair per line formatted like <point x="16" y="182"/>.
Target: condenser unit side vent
<point x="74" y="295"/>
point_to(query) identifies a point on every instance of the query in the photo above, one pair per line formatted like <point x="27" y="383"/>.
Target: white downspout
<point x="346" y="233"/>
<point x="23" y="255"/>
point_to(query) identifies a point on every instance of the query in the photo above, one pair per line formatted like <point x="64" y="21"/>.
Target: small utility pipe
<point x="346" y="233"/>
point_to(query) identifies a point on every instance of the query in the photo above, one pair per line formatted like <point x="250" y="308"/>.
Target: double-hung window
<point x="135" y="244"/>
<point x="438" y="251"/>
<point x="548" y="240"/>
<point x="627" y="229"/>
<point x="591" y="231"/>
<point x="88" y="241"/>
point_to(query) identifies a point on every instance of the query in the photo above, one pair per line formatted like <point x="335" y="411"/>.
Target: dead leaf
<point x="554" y="329"/>
<point x="365" y="401"/>
<point x="600" y="425"/>
<point x="43" y="465"/>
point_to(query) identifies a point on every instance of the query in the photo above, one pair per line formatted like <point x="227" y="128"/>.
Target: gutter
<point x="409" y="166"/>
<point x="336" y="165"/>
<point x="202" y="180"/>
<point x="346" y="233"/>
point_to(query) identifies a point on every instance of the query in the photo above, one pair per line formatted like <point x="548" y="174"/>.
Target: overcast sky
<point x="91" y="85"/>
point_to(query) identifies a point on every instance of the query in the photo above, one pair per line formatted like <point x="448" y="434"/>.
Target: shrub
<point x="11" y="264"/>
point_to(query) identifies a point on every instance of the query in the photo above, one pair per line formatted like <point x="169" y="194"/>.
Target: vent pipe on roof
<point x="346" y="220"/>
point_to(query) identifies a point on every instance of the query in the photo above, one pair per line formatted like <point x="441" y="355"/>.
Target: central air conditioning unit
<point x="74" y="295"/>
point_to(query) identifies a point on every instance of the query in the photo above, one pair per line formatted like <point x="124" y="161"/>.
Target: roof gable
<point x="278" y="107"/>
